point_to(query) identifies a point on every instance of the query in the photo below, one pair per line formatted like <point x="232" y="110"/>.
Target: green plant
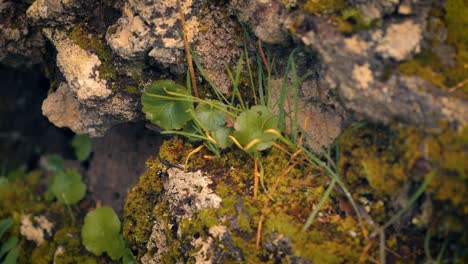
<point x="101" y="233"/>
<point x="66" y="185"/>
<point x="252" y="128"/>
<point x="8" y="251"/>
<point x="82" y="145"/>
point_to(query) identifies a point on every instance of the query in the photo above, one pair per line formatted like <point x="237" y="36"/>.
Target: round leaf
<point x="221" y="136"/>
<point x="210" y="118"/>
<point x="252" y="124"/>
<point x="164" y="109"/>
<point x="101" y="233"/>
<point x="83" y="147"/>
<point x="68" y="187"/>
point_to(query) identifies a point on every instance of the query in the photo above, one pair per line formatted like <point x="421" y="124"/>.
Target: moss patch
<point x="380" y="164"/>
<point x="24" y="195"/>
<point x="452" y="75"/>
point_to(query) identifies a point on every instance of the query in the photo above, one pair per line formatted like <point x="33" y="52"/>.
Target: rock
<point x="64" y="110"/>
<point x="85" y="103"/>
<point x="320" y="124"/>
<point x="80" y="69"/>
<point x="21" y="45"/>
<point x="355" y="65"/>
<point x="265" y="17"/>
<point x="152" y="29"/>
<point x="54" y="12"/>
<point x="400" y="40"/>
<point x="186" y="193"/>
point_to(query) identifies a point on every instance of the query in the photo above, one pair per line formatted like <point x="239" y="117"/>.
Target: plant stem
<point x="187" y="50"/>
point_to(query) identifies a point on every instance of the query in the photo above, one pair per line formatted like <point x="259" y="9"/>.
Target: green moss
<point x="401" y="157"/>
<point x="298" y="191"/>
<point x="352" y="20"/>
<point x="96" y="43"/>
<point x="21" y="196"/>
<point x="131" y="89"/>
<point x="330" y="243"/>
<point x="428" y="65"/>
<point x="43" y="254"/>
<point x="69" y="239"/>
<point x="138" y="217"/>
<point x="24" y="195"/>
<point x="323" y="6"/>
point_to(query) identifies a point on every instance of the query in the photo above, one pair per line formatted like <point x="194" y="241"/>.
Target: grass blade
<point x="324" y="198"/>
<point x="413" y="199"/>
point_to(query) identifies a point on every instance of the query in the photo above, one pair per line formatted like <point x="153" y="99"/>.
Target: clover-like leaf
<point x="68" y="187"/>
<point x="101" y="233"/>
<point x="250" y="128"/>
<point x="163" y="109"/>
<point x="82" y="145"/>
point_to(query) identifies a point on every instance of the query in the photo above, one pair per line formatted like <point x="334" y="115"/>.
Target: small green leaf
<point x="210" y="118"/>
<point x="101" y="233"/>
<point x="4" y="225"/>
<point x="214" y="121"/>
<point x="54" y="163"/>
<point x="221" y="136"/>
<point x="68" y="187"/>
<point x="252" y="124"/>
<point x="163" y="109"/>
<point x="8" y="245"/>
<point x="83" y="147"/>
<point x="12" y="256"/>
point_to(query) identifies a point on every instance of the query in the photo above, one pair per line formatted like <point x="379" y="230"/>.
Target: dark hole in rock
<point x="25" y="134"/>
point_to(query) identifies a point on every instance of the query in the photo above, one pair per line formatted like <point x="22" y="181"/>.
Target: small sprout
<point x="68" y="187"/>
<point x="165" y="109"/>
<point x="82" y="145"/>
<point x="251" y="128"/>
<point x="101" y="233"/>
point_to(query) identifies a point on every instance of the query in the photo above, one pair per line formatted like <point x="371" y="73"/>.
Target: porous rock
<point x="186" y="193"/>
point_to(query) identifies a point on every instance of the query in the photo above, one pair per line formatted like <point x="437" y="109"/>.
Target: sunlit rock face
<point x="145" y="43"/>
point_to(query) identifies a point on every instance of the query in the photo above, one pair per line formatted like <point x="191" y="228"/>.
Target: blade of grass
<point x="324" y="198"/>
<point x="261" y="92"/>
<point x="235" y="83"/>
<point x="413" y="199"/>
<point x="294" y="126"/>
<point x="205" y="76"/>
<point x="283" y="94"/>
<point x="249" y="69"/>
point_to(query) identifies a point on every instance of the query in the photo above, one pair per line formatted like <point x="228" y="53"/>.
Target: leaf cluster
<point x="219" y="124"/>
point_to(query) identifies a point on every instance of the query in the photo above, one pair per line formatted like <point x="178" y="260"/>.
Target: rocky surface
<point x="354" y="65"/>
<point x="179" y="188"/>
